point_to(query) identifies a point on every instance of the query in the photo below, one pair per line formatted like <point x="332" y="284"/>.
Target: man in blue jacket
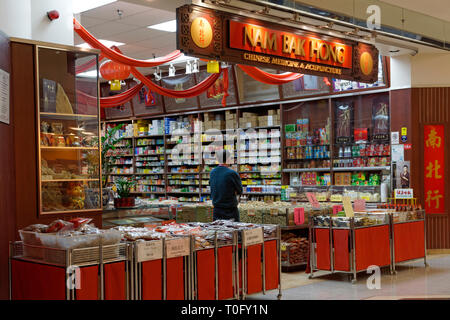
<point x="225" y="185"/>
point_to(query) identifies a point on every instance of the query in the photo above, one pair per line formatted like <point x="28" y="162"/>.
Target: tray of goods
<point x="50" y="243"/>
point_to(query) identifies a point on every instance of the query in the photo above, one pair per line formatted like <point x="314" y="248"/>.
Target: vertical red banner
<point x="434" y="168"/>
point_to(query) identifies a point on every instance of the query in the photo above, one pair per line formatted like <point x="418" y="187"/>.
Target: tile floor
<point x="412" y="281"/>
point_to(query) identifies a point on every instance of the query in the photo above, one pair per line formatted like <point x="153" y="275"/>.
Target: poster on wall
<point x="434" y="168"/>
<point x="4" y="96"/>
<point x="380" y="118"/>
<point x="344" y="122"/>
<point x="402" y="175"/>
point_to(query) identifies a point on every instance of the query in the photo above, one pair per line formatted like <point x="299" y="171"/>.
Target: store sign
<point x="252" y="236"/>
<point x="149" y="250"/>
<point x="434" y="168"/>
<point x="177" y="247"/>
<point x="212" y="34"/>
<point x="403" y="194"/>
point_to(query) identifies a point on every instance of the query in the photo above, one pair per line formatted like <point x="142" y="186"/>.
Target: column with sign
<point x="434" y="168"/>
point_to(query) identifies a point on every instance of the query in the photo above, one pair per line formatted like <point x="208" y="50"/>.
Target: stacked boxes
<point x="213" y="121"/>
<point x="272" y="119"/>
<point x="230" y="120"/>
<point x="248" y="120"/>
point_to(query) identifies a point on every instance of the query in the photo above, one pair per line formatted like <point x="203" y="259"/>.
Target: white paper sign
<point x="177" y="247"/>
<point x="149" y="250"/>
<point x="398" y="152"/>
<point x="4" y="96"/>
<point x="404" y="194"/>
<point x="253" y="236"/>
<point x="395" y="137"/>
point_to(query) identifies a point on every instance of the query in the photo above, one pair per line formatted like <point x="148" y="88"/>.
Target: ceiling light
<point x="157" y="74"/>
<point x="195" y="66"/>
<point x="89" y="74"/>
<point x="169" y="26"/>
<point x="172" y="71"/>
<point x="107" y="43"/>
<point x="188" y="67"/>
<point x="85" y="5"/>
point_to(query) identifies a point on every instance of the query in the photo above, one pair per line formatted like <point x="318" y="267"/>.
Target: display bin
<point x="260" y="260"/>
<point x="215" y="266"/>
<point x="161" y="269"/>
<point x="95" y="273"/>
<point x="408" y="232"/>
<point x="177" y="268"/>
<point x="349" y="245"/>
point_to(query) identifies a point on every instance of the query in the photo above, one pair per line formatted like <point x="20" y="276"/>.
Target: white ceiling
<point x="436" y="8"/>
<point x="131" y="28"/>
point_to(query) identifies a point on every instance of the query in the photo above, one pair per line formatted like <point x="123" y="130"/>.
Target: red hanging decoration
<point x="111" y="70"/>
<point x="119" y="57"/>
<point x="269" y="78"/>
<point x="113" y="101"/>
<point x="327" y="82"/>
<point x="225" y="87"/>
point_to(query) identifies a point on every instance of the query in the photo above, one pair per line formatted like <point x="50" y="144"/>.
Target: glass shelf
<point x="68" y="133"/>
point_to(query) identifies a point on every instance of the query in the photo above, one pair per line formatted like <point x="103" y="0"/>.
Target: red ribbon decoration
<point x="113" y="101"/>
<point x="119" y="57"/>
<point x="86" y="66"/>
<point x="225" y="87"/>
<point x="269" y="78"/>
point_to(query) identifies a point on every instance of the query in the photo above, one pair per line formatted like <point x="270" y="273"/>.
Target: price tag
<point x="283" y="247"/>
<point x="149" y="250"/>
<point x="359" y="205"/>
<point x="366" y="198"/>
<point x="336" y="198"/>
<point x="273" y="212"/>
<point x="177" y="247"/>
<point x="251" y="212"/>
<point x="299" y="216"/>
<point x="337" y="208"/>
<point x="347" y="207"/>
<point x="322" y="198"/>
<point x="252" y="237"/>
<point x="313" y="200"/>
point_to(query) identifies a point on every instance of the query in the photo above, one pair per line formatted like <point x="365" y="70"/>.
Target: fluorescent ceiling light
<point x="169" y="26"/>
<point x="88" y="74"/>
<point x="85" y="5"/>
<point x="107" y="43"/>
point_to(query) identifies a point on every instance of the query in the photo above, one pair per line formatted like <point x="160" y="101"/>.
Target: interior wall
<point x="7" y="179"/>
<point x="430" y="70"/>
<point x="400" y="72"/>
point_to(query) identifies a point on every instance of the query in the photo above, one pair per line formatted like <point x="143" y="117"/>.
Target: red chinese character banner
<point x="434" y="165"/>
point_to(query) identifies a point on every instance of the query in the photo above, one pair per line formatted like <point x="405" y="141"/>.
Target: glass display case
<point x="68" y="132"/>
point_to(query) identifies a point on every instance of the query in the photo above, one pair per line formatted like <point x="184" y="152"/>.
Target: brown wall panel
<point x="7" y="189"/>
<point x="430" y="106"/>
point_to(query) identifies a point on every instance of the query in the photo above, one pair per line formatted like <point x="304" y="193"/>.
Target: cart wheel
<point x="279" y="296"/>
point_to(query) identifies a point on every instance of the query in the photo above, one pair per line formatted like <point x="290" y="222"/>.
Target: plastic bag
<point x="60" y="226"/>
<point x="79" y="222"/>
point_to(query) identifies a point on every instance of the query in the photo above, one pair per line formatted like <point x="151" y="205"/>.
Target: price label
<point x="313" y="200"/>
<point x="322" y="198"/>
<point x="336" y="198"/>
<point x="283" y="247"/>
<point x="366" y="198"/>
<point x="348" y="207"/>
<point x="149" y="250"/>
<point x="359" y="205"/>
<point x="273" y="212"/>
<point x="251" y="212"/>
<point x="177" y="247"/>
<point x="252" y="237"/>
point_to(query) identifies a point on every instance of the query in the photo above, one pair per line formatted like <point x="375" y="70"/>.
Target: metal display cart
<point x="221" y="244"/>
<point x="348" y="246"/>
<point x="32" y="257"/>
<point x="404" y="247"/>
<point x="255" y="241"/>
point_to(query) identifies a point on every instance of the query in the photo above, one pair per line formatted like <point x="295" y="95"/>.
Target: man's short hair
<point x="222" y="156"/>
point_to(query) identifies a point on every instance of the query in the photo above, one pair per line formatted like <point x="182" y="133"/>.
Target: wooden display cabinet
<point x="57" y="130"/>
